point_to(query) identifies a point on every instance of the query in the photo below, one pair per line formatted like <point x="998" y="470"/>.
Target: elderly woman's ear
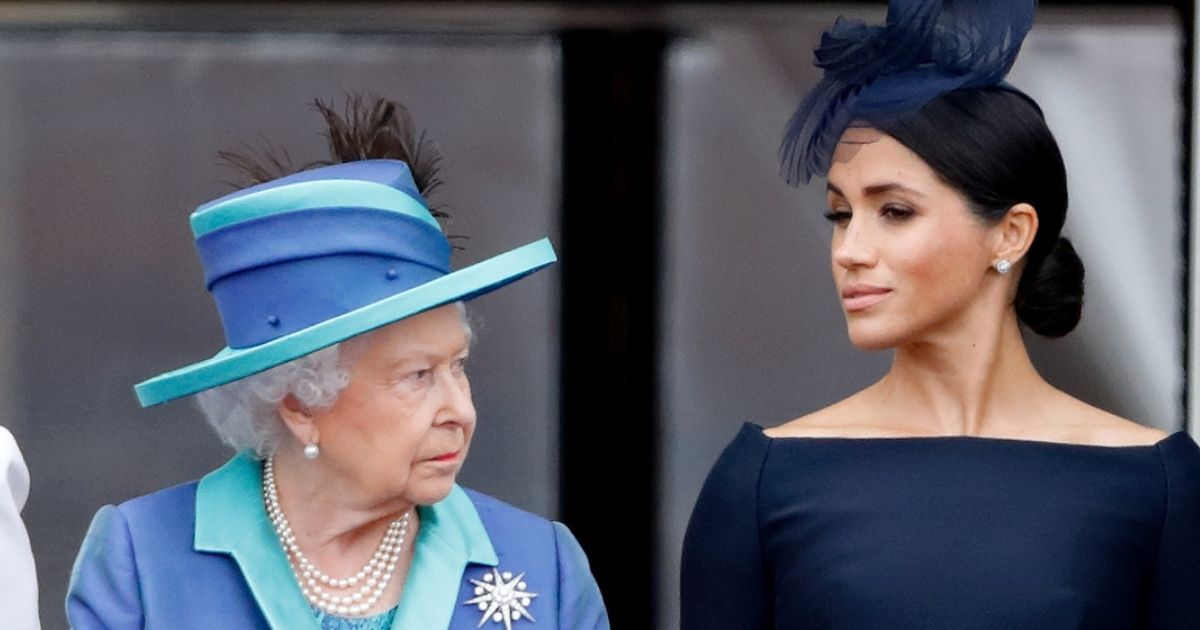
<point x="298" y="420"/>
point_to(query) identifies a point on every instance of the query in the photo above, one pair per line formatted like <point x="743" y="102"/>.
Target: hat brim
<point x="231" y="364"/>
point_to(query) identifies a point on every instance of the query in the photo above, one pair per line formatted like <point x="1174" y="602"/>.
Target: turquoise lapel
<point x="231" y="519"/>
<point x="451" y="536"/>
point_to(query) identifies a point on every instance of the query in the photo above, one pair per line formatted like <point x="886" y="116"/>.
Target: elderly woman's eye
<point x="420" y="374"/>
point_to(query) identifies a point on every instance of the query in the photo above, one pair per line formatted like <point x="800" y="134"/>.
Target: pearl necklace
<point x="368" y="583"/>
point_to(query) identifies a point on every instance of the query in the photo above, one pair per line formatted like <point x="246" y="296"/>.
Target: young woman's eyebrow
<point x="875" y="190"/>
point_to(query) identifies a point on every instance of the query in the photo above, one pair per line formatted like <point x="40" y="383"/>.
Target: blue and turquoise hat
<point x="305" y="261"/>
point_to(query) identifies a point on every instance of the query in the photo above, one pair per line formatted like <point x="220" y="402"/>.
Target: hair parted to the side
<point x="368" y="128"/>
<point x="993" y="146"/>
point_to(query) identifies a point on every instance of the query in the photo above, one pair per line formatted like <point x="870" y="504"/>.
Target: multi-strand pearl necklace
<point x="368" y="584"/>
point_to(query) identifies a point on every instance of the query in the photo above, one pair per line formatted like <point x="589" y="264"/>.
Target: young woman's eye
<point x="896" y="213"/>
<point x="840" y="217"/>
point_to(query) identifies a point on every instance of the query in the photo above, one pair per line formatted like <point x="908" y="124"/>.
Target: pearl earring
<point x="311" y="450"/>
<point x="1003" y="266"/>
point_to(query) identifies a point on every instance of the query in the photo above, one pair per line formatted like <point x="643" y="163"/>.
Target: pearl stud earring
<point x="311" y="450"/>
<point x="1003" y="266"/>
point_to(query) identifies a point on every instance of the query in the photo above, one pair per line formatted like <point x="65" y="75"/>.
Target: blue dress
<point x="382" y="621"/>
<point x="954" y="533"/>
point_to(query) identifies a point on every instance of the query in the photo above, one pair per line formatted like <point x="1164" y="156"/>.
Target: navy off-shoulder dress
<point x="952" y="533"/>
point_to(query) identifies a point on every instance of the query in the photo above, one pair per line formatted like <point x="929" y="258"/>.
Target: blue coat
<point x="204" y="555"/>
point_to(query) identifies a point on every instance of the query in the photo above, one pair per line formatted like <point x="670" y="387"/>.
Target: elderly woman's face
<point x="908" y="255"/>
<point x="402" y="426"/>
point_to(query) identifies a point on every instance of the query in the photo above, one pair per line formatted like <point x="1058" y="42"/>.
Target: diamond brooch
<point x="502" y="598"/>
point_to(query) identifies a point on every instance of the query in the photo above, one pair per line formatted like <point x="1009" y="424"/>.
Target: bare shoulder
<point x="1084" y="424"/>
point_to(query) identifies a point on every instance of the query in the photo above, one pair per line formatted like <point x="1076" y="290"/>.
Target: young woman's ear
<point x="1013" y="235"/>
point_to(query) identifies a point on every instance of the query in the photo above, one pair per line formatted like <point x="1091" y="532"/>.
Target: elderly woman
<point x="344" y="392"/>
<point x="961" y="491"/>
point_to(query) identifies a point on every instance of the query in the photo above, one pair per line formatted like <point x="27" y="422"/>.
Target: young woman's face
<point x="909" y="257"/>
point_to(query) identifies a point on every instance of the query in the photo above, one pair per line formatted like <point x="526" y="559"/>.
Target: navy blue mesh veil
<point x="877" y="73"/>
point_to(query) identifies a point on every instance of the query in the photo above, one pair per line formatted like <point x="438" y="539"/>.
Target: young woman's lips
<point x="859" y="297"/>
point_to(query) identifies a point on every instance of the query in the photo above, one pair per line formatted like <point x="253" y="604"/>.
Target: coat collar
<point x="231" y="519"/>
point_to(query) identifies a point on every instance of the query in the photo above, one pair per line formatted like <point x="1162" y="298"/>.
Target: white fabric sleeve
<point x="18" y="577"/>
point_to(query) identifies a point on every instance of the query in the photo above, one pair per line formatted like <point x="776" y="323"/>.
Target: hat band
<point x="319" y="232"/>
<point x="268" y="302"/>
<point x="282" y="273"/>
<point x="273" y="198"/>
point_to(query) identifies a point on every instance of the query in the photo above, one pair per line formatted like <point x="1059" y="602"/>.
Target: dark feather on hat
<point x="368" y="128"/>
<point x="257" y="166"/>
<point x="376" y="128"/>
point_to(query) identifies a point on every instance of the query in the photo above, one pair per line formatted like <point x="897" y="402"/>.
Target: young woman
<point x="961" y="490"/>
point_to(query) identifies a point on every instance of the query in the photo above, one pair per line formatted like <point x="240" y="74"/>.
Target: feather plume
<point x="256" y="166"/>
<point x="374" y="128"/>
<point x="367" y="128"/>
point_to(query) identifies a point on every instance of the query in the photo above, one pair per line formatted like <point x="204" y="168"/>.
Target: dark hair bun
<point x="1050" y="294"/>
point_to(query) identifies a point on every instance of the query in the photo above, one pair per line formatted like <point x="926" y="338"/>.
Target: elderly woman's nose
<point x="456" y="392"/>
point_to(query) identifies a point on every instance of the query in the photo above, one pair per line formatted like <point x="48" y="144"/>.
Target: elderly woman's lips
<point x="446" y="457"/>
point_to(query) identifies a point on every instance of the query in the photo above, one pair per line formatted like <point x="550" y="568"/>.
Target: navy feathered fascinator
<point x="879" y="73"/>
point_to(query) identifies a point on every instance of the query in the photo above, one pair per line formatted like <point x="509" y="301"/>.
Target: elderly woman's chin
<point x="427" y="488"/>
<point x="431" y="492"/>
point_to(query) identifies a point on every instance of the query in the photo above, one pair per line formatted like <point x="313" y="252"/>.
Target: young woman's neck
<point x="970" y="378"/>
